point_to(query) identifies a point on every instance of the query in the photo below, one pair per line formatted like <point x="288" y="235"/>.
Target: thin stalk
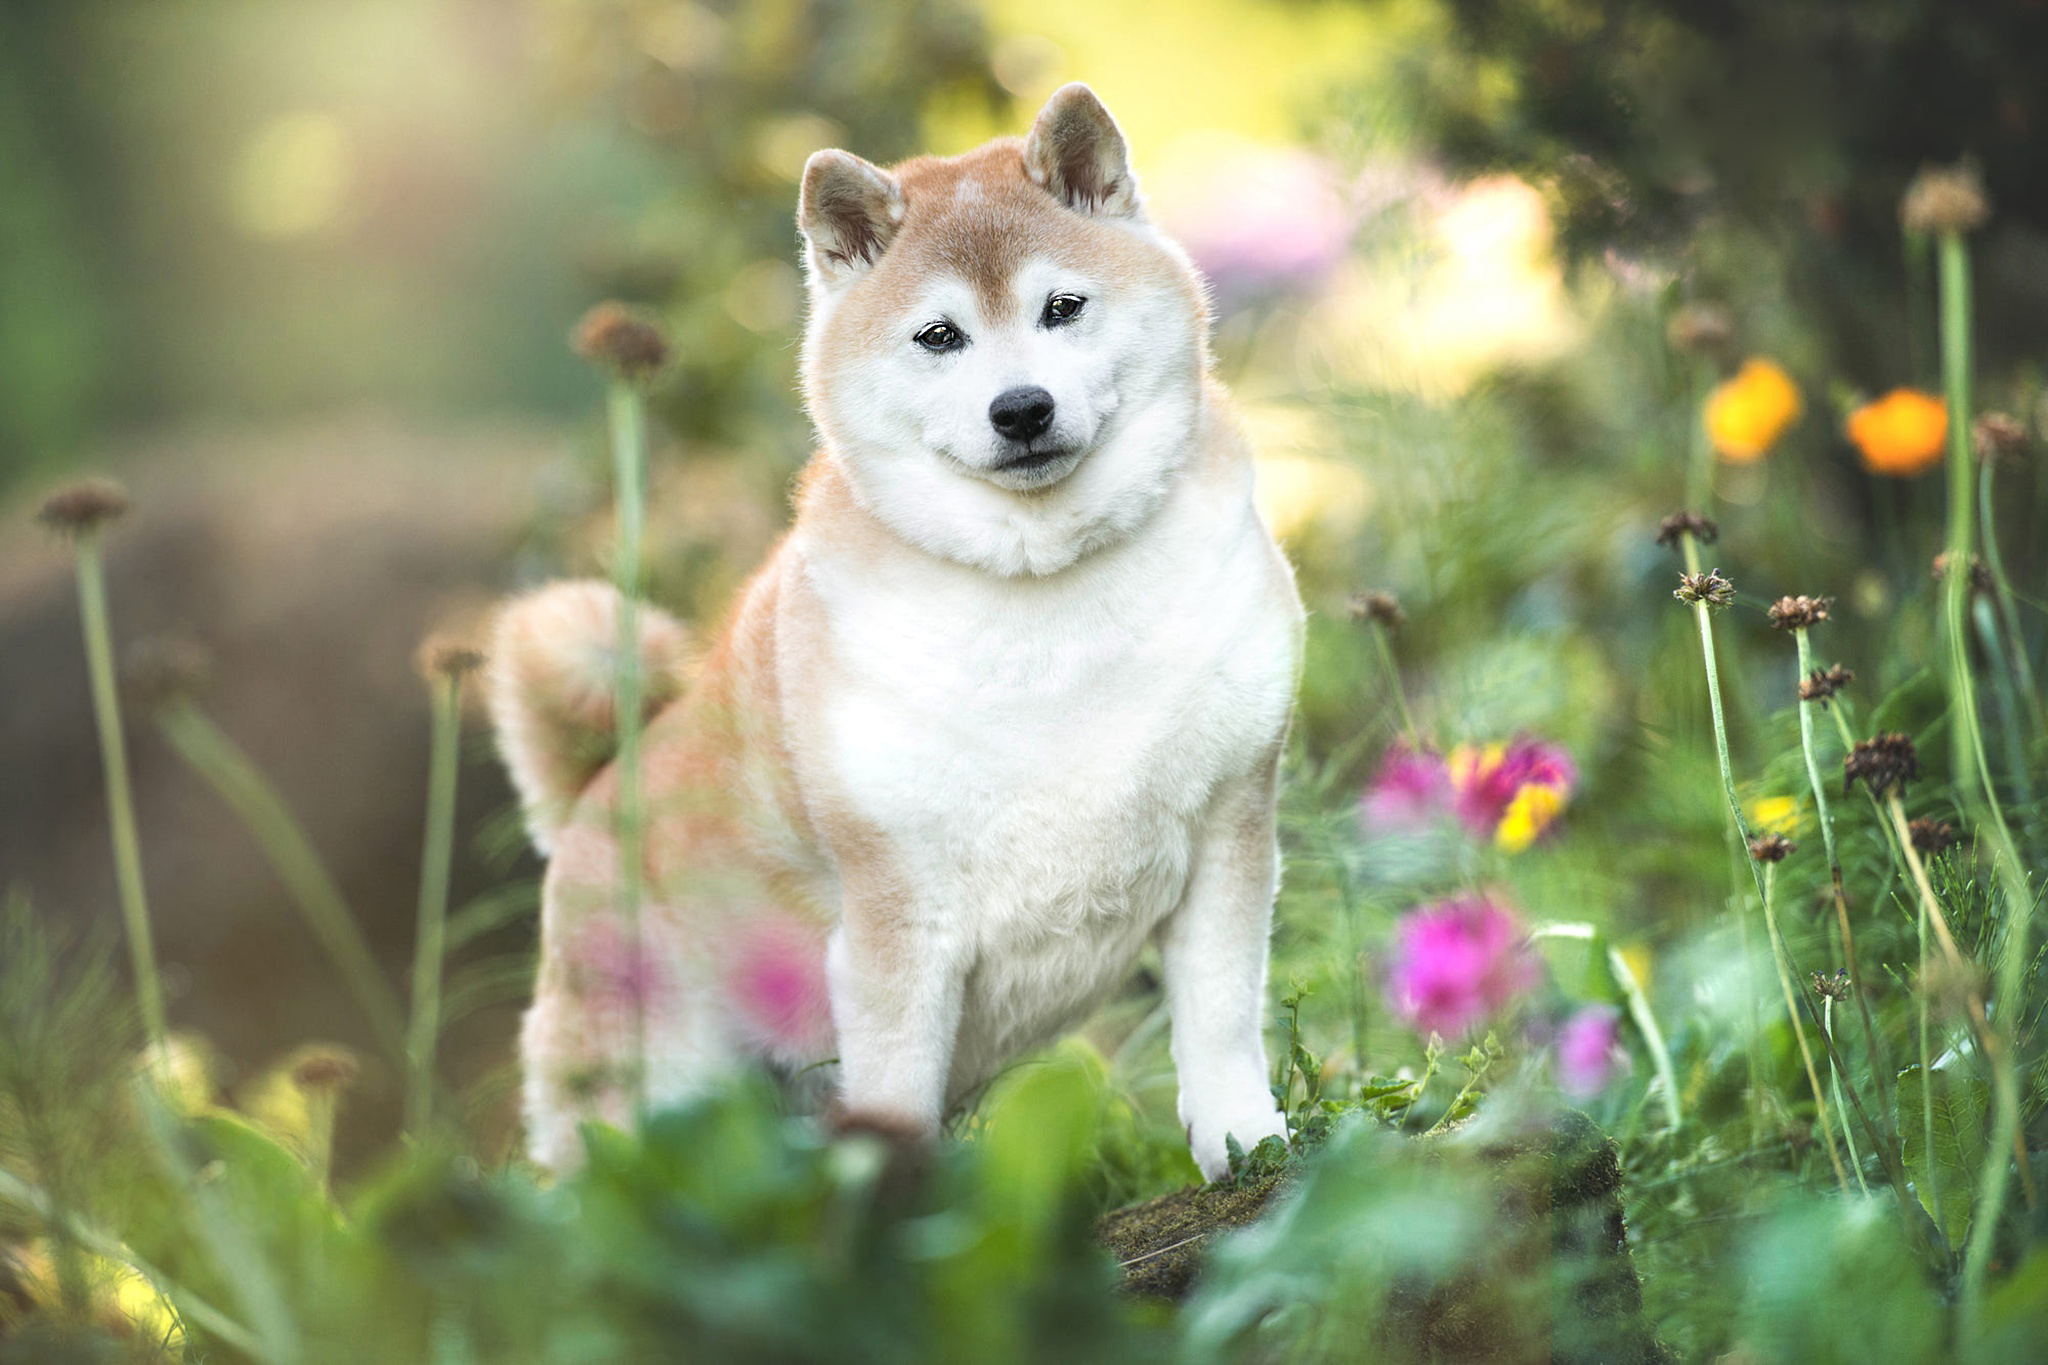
<point x="1386" y="653"/>
<point x="229" y="771"/>
<point x="2004" y="1078"/>
<point x="629" y="478"/>
<point x="1472" y="1081"/>
<point x="1982" y="615"/>
<point x="1827" y="1028"/>
<point x="1782" y="959"/>
<point x="2022" y="669"/>
<point x="1972" y="770"/>
<point x="1740" y="829"/>
<point x="429" y="940"/>
<point x="106" y="711"/>
<point x="1926" y="1067"/>
<point x="1811" y="749"/>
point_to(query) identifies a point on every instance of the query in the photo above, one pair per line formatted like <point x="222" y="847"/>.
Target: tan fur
<point x="550" y="681"/>
<point x="749" y="816"/>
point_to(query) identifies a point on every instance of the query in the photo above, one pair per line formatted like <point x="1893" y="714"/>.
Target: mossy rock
<point x="1556" y="1188"/>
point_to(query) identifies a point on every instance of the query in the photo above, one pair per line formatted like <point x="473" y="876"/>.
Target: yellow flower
<point x="1528" y="815"/>
<point x="1748" y="413"/>
<point x="1774" y="815"/>
<point x="1901" y="434"/>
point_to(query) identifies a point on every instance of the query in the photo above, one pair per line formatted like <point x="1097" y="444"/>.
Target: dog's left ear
<point x="1077" y="152"/>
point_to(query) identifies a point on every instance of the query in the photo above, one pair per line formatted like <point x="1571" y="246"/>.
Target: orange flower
<point x="1901" y="434"/>
<point x="1747" y="414"/>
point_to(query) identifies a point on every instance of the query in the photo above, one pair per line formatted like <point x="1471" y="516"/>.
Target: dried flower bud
<point x="1945" y="199"/>
<point x="1980" y="577"/>
<point x="629" y="346"/>
<point x="1692" y="524"/>
<point x="79" y="509"/>
<point x="1380" y="608"/>
<point x="1821" y="684"/>
<point x="1832" y="987"/>
<point x="1771" y="848"/>
<point x="1884" y="764"/>
<point x="324" y="1066"/>
<point x="1701" y="329"/>
<point x="1998" y="436"/>
<point x="1708" y="587"/>
<point x="1932" y="836"/>
<point x="163" y="669"/>
<point x="1799" y="613"/>
<point x="443" y="655"/>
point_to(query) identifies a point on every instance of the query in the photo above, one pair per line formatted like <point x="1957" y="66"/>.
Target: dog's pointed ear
<point x="1077" y="152"/>
<point x="848" y="210"/>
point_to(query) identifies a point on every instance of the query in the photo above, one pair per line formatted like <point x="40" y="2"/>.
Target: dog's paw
<point x="1208" y="1138"/>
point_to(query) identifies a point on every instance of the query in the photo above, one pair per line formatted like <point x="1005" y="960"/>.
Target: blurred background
<point x="301" y="272"/>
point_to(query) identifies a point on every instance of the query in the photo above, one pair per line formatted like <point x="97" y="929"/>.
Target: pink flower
<point x="1456" y="963"/>
<point x="1511" y="793"/>
<point x="1589" y="1051"/>
<point x="1410" y="790"/>
<point x="775" y="974"/>
<point x="613" y="971"/>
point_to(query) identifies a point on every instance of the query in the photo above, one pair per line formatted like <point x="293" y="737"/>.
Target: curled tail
<point x="553" y="668"/>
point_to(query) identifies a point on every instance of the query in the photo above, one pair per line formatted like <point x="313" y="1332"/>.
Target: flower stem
<point x="106" y="711"/>
<point x="1409" y="733"/>
<point x="1810" y="748"/>
<point x="629" y="479"/>
<point x="224" y="766"/>
<point x="1982" y="616"/>
<point x="430" y="937"/>
<point x="1973" y="777"/>
<point x="1827" y="1027"/>
<point x="1763" y="886"/>
<point x="2022" y="670"/>
<point x="1783" y="961"/>
<point x="1737" y="837"/>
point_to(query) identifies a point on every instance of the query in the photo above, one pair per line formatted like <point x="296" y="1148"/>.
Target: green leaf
<point x="1959" y="1105"/>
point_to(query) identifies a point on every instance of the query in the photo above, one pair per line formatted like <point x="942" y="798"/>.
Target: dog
<point x="1005" y="705"/>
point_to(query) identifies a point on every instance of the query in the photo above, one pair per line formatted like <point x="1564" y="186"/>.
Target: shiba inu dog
<point x="1004" y="706"/>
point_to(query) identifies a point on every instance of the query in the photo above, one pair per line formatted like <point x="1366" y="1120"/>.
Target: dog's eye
<point x="940" y="336"/>
<point x="1062" y="308"/>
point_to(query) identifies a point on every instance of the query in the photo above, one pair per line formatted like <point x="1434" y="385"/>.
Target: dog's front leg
<point x="896" y="984"/>
<point x="1213" y="948"/>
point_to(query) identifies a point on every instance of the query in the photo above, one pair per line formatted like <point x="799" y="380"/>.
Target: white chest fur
<point x="1039" y="753"/>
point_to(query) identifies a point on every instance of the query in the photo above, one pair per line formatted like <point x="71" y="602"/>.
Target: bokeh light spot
<point x="294" y="176"/>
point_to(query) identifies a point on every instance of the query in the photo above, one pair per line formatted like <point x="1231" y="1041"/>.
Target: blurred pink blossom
<point x="1457" y="962"/>
<point x="775" y="974"/>
<point x="1263" y="218"/>
<point x="1590" y="1054"/>
<point x="1411" y="789"/>
<point x="1511" y="792"/>
<point x="612" y="969"/>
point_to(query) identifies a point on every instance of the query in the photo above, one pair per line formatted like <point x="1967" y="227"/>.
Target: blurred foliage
<point x="731" y="98"/>
<point x="1467" y="396"/>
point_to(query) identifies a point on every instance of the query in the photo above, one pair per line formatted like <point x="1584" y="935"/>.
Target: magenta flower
<point x="1511" y="792"/>
<point x="775" y="974"/>
<point x="1589" y="1051"/>
<point x="1456" y="963"/>
<point x="1410" y="790"/>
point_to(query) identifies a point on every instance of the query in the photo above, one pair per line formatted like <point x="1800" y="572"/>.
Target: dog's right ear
<point x="848" y="211"/>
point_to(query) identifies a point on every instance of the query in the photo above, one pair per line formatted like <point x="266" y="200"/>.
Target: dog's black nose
<point x="1021" y="413"/>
